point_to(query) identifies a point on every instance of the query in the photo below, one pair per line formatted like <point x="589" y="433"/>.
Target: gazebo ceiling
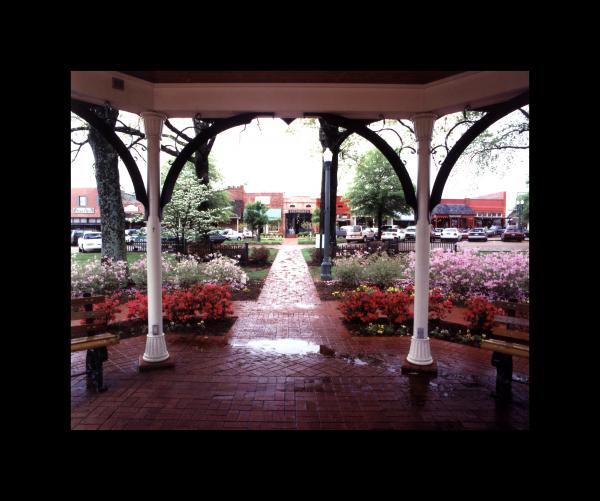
<point x="364" y="95"/>
<point x="346" y="77"/>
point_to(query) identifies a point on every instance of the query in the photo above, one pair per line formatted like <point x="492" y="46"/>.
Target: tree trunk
<point x="379" y="221"/>
<point x="109" y="189"/>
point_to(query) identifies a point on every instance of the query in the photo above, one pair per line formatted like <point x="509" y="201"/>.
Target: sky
<point x="269" y="155"/>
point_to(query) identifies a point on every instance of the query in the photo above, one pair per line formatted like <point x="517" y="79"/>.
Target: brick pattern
<point x="228" y="383"/>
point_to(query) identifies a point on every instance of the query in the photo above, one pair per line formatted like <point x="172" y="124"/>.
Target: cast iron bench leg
<point x="504" y="371"/>
<point x="93" y="365"/>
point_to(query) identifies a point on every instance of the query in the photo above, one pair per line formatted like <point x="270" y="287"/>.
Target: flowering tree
<point x="195" y="208"/>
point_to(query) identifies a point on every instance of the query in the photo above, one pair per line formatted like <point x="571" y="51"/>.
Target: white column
<point x="156" y="347"/>
<point x="420" y="353"/>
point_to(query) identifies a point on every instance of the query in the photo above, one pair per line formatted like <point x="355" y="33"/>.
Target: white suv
<point x="411" y="233"/>
<point x="232" y="234"/>
<point x="392" y="234"/>
<point x="353" y="233"/>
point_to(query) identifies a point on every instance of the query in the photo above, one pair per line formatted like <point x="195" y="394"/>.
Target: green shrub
<point x="383" y="270"/>
<point x="259" y="256"/>
<point x="349" y="270"/>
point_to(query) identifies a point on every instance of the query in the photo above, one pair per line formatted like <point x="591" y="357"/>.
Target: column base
<point x="144" y="366"/>
<point x="409" y="368"/>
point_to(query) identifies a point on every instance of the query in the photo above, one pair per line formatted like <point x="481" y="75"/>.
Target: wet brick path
<point x="269" y="373"/>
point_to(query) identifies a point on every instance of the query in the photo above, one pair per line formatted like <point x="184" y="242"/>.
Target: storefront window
<point x="82" y="200"/>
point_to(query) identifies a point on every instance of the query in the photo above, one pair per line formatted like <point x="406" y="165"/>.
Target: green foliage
<point x="383" y="270"/>
<point x="195" y="208"/>
<point x="376" y="189"/>
<point x="255" y="216"/>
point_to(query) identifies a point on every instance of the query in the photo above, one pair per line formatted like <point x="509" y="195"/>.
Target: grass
<point x="263" y="241"/>
<point x="315" y="271"/>
<point x="255" y="273"/>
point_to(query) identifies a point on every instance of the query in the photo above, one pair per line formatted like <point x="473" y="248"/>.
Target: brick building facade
<point x="85" y="209"/>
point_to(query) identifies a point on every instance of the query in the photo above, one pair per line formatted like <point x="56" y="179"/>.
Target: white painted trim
<point x="448" y="95"/>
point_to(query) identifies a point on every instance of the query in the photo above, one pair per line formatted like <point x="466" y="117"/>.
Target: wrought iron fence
<point x="390" y="246"/>
<point x="203" y="250"/>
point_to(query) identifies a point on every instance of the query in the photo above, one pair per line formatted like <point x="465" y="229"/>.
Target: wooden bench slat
<point x="78" y="302"/>
<point x="97" y="341"/>
<point x="521" y="322"/>
<point x="80" y="315"/>
<point x="86" y="330"/>
<point x="518" y="350"/>
<point x="520" y="335"/>
<point x="520" y="307"/>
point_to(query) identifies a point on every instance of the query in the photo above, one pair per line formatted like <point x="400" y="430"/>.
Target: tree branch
<point x="177" y="131"/>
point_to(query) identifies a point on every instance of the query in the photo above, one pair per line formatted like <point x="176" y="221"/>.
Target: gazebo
<point x="344" y="102"/>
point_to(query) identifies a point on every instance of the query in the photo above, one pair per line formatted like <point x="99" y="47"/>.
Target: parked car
<point x="450" y="234"/>
<point x="216" y="236"/>
<point x="368" y="234"/>
<point x="90" y="241"/>
<point x="498" y="230"/>
<point x="75" y="234"/>
<point x="232" y="234"/>
<point x="353" y="233"/>
<point x="129" y="234"/>
<point x="512" y="233"/>
<point x="437" y="233"/>
<point x="411" y="233"/>
<point x="247" y="233"/>
<point x="340" y="232"/>
<point x="477" y="234"/>
<point x="526" y="233"/>
<point x="490" y="232"/>
<point x="464" y="233"/>
<point x="393" y="234"/>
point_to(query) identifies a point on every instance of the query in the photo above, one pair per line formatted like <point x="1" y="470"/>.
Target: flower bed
<point x="370" y="311"/>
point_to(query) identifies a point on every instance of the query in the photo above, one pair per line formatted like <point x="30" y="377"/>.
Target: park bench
<point x="91" y="336"/>
<point x="509" y="338"/>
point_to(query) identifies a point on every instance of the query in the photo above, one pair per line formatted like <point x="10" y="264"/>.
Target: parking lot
<point x="495" y="244"/>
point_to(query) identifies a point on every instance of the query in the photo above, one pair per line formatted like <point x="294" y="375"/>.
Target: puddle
<point x="282" y="346"/>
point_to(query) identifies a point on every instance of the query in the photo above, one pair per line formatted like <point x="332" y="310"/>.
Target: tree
<point x="376" y="190"/>
<point x="106" y="171"/>
<point x="316" y="217"/>
<point x="255" y="216"/>
<point x="195" y="208"/>
<point x="525" y="210"/>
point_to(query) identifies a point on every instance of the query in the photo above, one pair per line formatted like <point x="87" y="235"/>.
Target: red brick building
<point x="85" y="209"/>
<point x="485" y="210"/>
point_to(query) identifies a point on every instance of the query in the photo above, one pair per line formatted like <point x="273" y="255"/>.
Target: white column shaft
<point x="156" y="349"/>
<point x="420" y="353"/>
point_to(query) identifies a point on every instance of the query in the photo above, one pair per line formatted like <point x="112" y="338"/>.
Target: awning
<point x="274" y="214"/>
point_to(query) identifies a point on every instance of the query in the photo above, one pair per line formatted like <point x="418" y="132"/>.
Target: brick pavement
<point x="269" y="373"/>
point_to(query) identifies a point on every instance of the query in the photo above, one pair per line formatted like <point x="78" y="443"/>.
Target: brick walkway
<point x="268" y="373"/>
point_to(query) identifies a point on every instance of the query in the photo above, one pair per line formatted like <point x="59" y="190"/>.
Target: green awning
<point x="274" y="214"/>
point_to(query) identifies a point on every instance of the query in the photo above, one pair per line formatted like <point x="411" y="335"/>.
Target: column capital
<point x="423" y="125"/>
<point x="153" y="123"/>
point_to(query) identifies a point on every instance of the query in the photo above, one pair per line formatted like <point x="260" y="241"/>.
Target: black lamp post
<point x="520" y="212"/>
<point x="326" y="264"/>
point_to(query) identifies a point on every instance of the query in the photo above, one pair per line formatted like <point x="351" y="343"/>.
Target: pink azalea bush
<point x="502" y="276"/>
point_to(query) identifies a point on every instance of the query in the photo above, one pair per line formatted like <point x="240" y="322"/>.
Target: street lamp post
<point x="520" y="204"/>
<point x="326" y="264"/>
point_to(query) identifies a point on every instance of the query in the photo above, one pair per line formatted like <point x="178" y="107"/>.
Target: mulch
<point x="251" y="294"/>
<point x="134" y="328"/>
